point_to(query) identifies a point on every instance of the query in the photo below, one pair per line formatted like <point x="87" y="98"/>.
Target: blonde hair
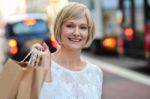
<point x="74" y="11"/>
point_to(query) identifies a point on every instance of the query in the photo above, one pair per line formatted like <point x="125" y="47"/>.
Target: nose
<point x="76" y="31"/>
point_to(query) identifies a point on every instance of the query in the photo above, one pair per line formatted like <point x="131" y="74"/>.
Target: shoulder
<point x="95" y="69"/>
<point x="96" y="74"/>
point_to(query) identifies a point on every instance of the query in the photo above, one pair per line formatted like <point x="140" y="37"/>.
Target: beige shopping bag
<point x="38" y="80"/>
<point x="10" y="78"/>
<point x="31" y="83"/>
<point x="25" y="85"/>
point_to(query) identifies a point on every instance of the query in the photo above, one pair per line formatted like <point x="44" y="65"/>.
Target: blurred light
<point x="30" y="22"/>
<point x="109" y="43"/>
<point x="54" y="42"/>
<point x="52" y="38"/>
<point x="13" y="46"/>
<point x="13" y="50"/>
<point x="129" y="33"/>
<point x="12" y="43"/>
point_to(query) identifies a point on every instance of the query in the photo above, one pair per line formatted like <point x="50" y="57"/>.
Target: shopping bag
<point x="38" y="80"/>
<point x="31" y="82"/>
<point x="10" y="78"/>
<point x="25" y="85"/>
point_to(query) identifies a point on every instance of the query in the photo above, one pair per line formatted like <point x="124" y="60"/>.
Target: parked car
<point x="22" y="31"/>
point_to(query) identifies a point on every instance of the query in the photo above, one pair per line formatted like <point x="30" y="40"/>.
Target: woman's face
<point x="74" y="33"/>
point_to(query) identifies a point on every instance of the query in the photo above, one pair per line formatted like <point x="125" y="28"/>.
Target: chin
<point x="75" y="47"/>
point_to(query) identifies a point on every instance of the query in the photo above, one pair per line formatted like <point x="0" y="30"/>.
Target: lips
<point x="75" y="39"/>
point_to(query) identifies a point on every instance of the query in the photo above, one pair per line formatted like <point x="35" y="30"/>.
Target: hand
<point x="45" y="58"/>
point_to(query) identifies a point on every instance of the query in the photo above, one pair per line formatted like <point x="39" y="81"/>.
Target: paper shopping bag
<point x="39" y="75"/>
<point x="31" y="81"/>
<point x="25" y="85"/>
<point x="10" y="78"/>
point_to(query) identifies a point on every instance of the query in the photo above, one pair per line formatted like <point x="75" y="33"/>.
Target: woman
<point x="69" y="76"/>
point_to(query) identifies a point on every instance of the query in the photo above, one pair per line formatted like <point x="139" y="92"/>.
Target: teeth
<point x="75" y="40"/>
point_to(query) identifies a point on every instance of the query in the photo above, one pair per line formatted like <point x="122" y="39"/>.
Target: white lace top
<point x="67" y="84"/>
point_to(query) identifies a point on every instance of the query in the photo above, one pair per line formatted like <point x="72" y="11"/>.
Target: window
<point x="127" y="5"/>
<point x="39" y="27"/>
<point x="139" y="15"/>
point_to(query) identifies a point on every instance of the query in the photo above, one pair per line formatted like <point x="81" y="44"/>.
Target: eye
<point x="69" y="26"/>
<point x="83" y="27"/>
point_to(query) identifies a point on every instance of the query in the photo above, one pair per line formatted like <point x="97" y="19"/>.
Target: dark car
<point x="22" y="31"/>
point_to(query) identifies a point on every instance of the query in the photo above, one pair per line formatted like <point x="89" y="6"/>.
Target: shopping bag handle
<point x="31" y="52"/>
<point x="27" y="56"/>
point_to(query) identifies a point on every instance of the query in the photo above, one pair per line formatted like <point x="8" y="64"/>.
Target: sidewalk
<point x="116" y="87"/>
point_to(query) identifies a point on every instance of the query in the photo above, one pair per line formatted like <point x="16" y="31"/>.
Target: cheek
<point x="66" y="31"/>
<point x="85" y="35"/>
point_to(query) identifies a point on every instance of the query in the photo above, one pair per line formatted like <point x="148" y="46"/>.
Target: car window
<point x="30" y="26"/>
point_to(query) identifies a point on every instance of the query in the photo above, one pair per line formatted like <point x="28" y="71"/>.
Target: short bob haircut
<point x="71" y="11"/>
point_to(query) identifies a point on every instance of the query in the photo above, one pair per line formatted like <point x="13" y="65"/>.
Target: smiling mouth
<point x="74" y="39"/>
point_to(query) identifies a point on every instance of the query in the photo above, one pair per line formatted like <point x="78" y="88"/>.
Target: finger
<point x="45" y="46"/>
<point x="38" y="58"/>
<point x="40" y="61"/>
<point x="37" y="46"/>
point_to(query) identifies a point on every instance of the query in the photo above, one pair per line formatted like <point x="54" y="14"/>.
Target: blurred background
<point x="121" y="47"/>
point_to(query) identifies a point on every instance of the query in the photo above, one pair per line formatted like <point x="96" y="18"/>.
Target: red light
<point x="13" y="46"/>
<point x="110" y="43"/>
<point x="54" y="44"/>
<point x="129" y="33"/>
<point x="29" y="22"/>
<point x="53" y="40"/>
<point x="13" y="50"/>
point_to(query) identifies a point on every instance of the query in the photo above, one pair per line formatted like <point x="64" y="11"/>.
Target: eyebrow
<point x="73" y="23"/>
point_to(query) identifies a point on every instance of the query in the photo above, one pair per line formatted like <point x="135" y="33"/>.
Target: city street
<point x="122" y="28"/>
<point x="116" y="87"/>
<point x="120" y="82"/>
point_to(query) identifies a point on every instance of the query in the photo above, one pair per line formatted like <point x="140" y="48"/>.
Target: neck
<point x="67" y="58"/>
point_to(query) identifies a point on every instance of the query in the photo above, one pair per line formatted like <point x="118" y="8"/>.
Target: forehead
<point x="82" y="20"/>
